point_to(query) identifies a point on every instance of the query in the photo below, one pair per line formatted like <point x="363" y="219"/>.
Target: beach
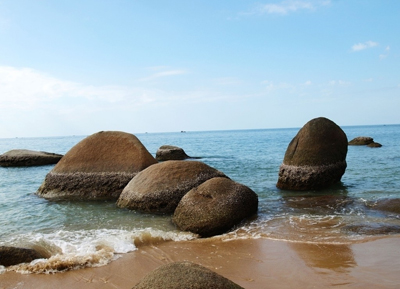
<point x="251" y="263"/>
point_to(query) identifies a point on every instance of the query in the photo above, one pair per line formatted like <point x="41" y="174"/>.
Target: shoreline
<point x="251" y="263"/>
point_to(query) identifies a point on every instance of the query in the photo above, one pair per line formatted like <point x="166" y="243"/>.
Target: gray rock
<point x="214" y="207"/>
<point x="27" y="158"/>
<point x="185" y="275"/>
<point x="160" y="187"/>
<point x="97" y="168"/>
<point x="315" y="158"/>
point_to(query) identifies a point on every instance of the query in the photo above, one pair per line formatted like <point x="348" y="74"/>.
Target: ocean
<point x="80" y="234"/>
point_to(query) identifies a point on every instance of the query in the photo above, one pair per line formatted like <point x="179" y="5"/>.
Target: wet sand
<point x="253" y="264"/>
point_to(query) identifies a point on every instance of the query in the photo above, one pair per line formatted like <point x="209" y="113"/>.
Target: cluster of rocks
<point x="364" y="141"/>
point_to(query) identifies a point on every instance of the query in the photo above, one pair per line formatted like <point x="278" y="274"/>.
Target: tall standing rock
<point x="315" y="158"/>
<point x="97" y="168"/>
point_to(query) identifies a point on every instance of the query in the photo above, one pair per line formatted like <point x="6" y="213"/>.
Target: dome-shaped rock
<point x="214" y="207"/>
<point x="361" y="140"/>
<point x="315" y="158"/>
<point x="12" y="255"/>
<point x="27" y="158"/>
<point x="160" y="187"/>
<point x="168" y="153"/>
<point x="97" y="168"/>
<point x="184" y="275"/>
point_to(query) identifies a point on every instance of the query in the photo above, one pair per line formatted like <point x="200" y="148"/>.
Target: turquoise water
<point x="76" y="230"/>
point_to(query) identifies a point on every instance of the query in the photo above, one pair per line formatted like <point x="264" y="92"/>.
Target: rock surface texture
<point x="28" y="158"/>
<point x="364" y="140"/>
<point x="185" y="275"/>
<point x="214" y="207"/>
<point x="160" y="187"/>
<point x="12" y="256"/>
<point x="168" y="153"/>
<point x="315" y="158"/>
<point x="97" y="168"/>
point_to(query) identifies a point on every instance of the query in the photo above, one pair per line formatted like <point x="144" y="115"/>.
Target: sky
<point x="76" y="67"/>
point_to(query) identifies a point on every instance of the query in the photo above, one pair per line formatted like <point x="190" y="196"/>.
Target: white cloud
<point x="163" y="74"/>
<point x="384" y="55"/>
<point x="365" y="45"/>
<point x="288" y="6"/>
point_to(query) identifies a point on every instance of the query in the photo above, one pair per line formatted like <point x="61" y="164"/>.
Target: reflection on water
<point x="336" y="257"/>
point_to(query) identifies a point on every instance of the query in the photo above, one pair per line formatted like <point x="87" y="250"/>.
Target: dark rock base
<point x="11" y="255"/>
<point x="302" y="178"/>
<point x="84" y="186"/>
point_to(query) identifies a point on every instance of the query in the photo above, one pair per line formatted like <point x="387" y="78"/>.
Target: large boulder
<point x="315" y="158"/>
<point x="169" y="153"/>
<point x="386" y="205"/>
<point x="214" y="207"/>
<point x="185" y="275"/>
<point x="12" y="255"/>
<point x="97" y="168"/>
<point x="160" y="187"/>
<point x="28" y="158"/>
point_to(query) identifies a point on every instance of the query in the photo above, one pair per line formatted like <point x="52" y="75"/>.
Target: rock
<point x="214" y="207"/>
<point x="160" y="187"/>
<point x="97" y="168"/>
<point x="168" y="153"/>
<point x="374" y="145"/>
<point x="372" y="229"/>
<point x="27" y="158"/>
<point x="315" y="158"/>
<point x="386" y="205"/>
<point x="184" y="275"/>
<point x="12" y="255"/>
<point x="361" y="140"/>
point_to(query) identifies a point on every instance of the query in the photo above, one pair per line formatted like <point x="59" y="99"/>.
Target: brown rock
<point x="214" y="207"/>
<point x="12" y="255"/>
<point x="185" y="275"/>
<point x="386" y="205"/>
<point x="97" y="168"/>
<point x="361" y="140"/>
<point x="315" y="158"/>
<point x="168" y="153"/>
<point x="374" y="145"/>
<point x="27" y="158"/>
<point x="160" y="187"/>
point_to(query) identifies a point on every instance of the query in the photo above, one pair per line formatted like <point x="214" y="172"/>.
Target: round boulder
<point x="97" y="168"/>
<point x="28" y="158"/>
<point x="168" y="153"/>
<point x="214" y="207"/>
<point x="315" y="158"/>
<point x="160" y="187"/>
<point x="361" y="140"/>
<point x="184" y="275"/>
<point x="12" y="255"/>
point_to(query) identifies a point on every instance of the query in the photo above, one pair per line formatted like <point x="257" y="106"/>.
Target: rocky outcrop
<point x="315" y="158"/>
<point x="168" y="153"/>
<point x="386" y="205"/>
<point x="12" y="255"/>
<point x="364" y="140"/>
<point x="160" y="187"/>
<point x="97" y="168"/>
<point x="28" y="158"/>
<point x="184" y="275"/>
<point x="214" y="207"/>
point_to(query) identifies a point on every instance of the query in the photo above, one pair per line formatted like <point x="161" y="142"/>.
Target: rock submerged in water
<point x="97" y="168"/>
<point x="364" y="140"/>
<point x="184" y="275"/>
<point x="315" y="158"/>
<point x="214" y="207"/>
<point x="12" y="255"/>
<point x="160" y="187"/>
<point x="28" y="158"/>
<point x="168" y="153"/>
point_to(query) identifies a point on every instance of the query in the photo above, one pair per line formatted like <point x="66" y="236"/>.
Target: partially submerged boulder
<point x="364" y="140"/>
<point x="184" y="275"/>
<point x="315" y="158"/>
<point x="13" y="255"/>
<point x="28" y="158"/>
<point x="168" y="153"/>
<point x="214" y="207"/>
<point x="97" y="168"/>
<point x="386" y="205"/>
<point x="160" y="187"/>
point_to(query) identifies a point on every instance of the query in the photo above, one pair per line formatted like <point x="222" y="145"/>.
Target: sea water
<point x="77" y="234"/>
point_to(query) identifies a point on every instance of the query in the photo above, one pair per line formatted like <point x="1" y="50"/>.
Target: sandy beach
<point x="251" y="263"/>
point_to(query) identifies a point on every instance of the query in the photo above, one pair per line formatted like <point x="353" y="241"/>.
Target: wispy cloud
<point x="365" y="45"/>
<point x="385" y="54"/>
<point x="164" y="73"/>
<point x="289" y="6"/>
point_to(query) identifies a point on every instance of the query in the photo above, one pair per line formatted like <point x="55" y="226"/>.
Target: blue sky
<point x="71" y="67"/>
